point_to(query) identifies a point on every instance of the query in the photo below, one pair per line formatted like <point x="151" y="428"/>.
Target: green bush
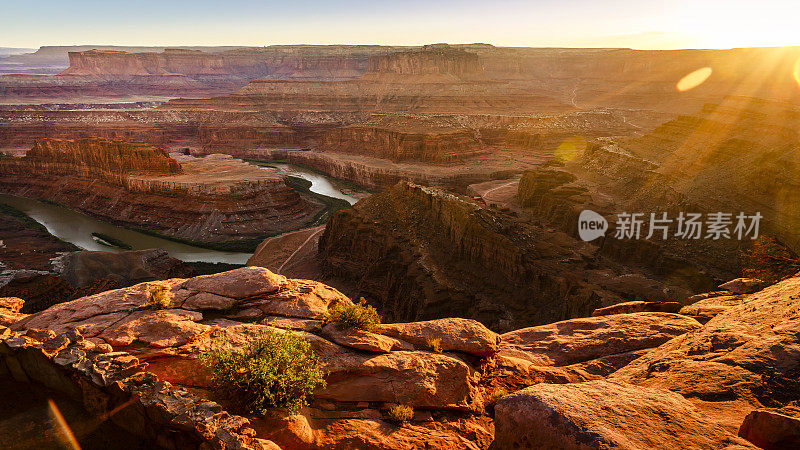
<point x="359" y="316"/>
<point x="274" y="370"/>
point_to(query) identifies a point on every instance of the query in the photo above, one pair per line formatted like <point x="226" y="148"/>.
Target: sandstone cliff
<point x="401" y="138"/>
<point x="421" y="253"/>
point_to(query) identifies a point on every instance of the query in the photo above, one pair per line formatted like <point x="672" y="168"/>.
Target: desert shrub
<point x="769" y="260"/>
<point x="401" y="413"/>
<point x="273" y="370"/>
<point x="158" y="298"/>
<point x="359" y="316"/>
<point x="435" y="344"/>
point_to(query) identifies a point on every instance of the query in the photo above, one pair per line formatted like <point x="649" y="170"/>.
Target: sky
<point x="645" y="24"/>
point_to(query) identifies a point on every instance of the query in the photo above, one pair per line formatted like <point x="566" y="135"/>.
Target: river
<point x="75" y="227"/>
<point x="321" y="184"/>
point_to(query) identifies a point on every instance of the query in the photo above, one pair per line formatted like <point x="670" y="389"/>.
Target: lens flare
<point x="797" y="72"/>
<point x="61" y="428"/>
<point x="694" y="79"/>
<point x="570" y="148"/>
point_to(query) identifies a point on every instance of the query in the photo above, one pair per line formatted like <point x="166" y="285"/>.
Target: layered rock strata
<point x="421" y="253"/>
<point x="114" y="386"/>
<point x="222" y="199"/>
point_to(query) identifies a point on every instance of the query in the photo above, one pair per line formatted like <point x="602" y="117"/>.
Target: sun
<point x="740" y="23"/>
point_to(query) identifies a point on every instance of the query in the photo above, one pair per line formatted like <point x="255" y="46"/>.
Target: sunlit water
<point x="75" y="227"/>
<point x="320" y="183"/>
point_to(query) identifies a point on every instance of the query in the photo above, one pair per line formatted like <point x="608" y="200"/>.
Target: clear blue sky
<point x="638" y="24"/>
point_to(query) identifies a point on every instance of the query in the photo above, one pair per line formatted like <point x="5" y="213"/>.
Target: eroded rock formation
<point x="363" y="379"/>
<point x="224" y="199"/>
<point x="613" y="381"/>
<point x="421" y="253"/>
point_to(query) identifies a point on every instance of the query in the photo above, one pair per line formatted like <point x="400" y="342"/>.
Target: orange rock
<point x="602" y="415"/>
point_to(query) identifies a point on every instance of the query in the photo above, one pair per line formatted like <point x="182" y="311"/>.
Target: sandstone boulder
<point x="743" y="285"/>
<point x="205" y="301"/>
<point x="460" y="335"/>
<point x="364" y="340"/>
<point x="238" y="283"/>
<point x="9" y="310"/>
<point x="298" y="298"/>
<point x="604" y="415"/>
<point x="772" y="429"/>
<point x="707" y="308"/>
<point x="419" y="379"/>
<point x="66" y="316"/>
<point x="166" y="328"/>
<point x="12" y="304"/>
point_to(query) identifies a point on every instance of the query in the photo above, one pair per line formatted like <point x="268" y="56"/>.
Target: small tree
<point x="359" y="316"/>
<point x="274" y="370"/>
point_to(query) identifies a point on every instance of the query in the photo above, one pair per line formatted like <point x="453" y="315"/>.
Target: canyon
<point x="501" y="327"/>
<point x="135" y="184"/>
<point x="738" y="156"/>
<point x="419" y="253"/>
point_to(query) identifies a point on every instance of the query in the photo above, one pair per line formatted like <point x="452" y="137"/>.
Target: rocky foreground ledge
<point x="633" y="380"/>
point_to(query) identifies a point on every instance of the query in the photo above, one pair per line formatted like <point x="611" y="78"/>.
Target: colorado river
<point x="77" y="228"/>
<point x="320" y="183"/>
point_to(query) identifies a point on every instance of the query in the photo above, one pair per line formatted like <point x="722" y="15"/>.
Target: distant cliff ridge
<point x="110" y="160"/>
<point x="431" y="60"/>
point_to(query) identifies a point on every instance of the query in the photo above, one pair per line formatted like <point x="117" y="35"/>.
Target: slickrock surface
<point x="605" y="415"/>
<point x="367" y="371"/>
<point x="221" y="198"/>
<point x="421" y="253"/>
<point x="633" y="380"/>
<point x="589" y="341"/>
<point x="749" y="354"/>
